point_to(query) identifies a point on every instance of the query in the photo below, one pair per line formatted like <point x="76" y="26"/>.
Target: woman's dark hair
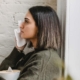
<point x="47" y="21"/>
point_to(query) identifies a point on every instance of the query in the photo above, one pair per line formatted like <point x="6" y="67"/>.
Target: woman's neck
<point x="34" y="42"/>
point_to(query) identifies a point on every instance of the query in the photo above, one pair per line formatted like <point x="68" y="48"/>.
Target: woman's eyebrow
<point x="26" y="18"/>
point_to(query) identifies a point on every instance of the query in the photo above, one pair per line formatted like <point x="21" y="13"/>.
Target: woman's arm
<point x="31" y="71"/>
<point x="12" y="59"/>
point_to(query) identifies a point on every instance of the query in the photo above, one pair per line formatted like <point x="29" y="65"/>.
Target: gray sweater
<point x="42" y="64"/>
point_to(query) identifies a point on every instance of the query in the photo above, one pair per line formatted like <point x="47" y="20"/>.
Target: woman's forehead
<point x="28" y="16"/>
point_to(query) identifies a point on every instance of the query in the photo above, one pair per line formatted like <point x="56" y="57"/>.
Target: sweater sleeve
<point x="32" y="72"/>
<point x="32" y="68"/>
<point x="11" y="60"/>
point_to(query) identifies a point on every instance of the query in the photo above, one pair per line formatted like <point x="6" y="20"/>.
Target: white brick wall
<point x="10" y="12"/>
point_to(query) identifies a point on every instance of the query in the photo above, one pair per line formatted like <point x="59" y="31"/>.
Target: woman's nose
<point x="22" y="25"/>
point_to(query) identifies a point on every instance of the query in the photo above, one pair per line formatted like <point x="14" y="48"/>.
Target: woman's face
<point x="28" y="28"/>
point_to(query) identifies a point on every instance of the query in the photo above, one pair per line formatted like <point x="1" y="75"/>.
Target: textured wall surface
<point x="10" y="12"/>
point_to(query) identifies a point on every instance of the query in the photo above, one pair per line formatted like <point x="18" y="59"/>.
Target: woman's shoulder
<point x="48" y="52"/>
<point x="51" y="63"/>
<point x="51" y="55"/>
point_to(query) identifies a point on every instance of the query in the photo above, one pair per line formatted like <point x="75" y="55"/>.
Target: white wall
<point x="10" y="12"/>
<point x="72" y="53"/>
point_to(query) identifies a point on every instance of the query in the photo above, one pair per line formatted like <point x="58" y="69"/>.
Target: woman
<point x="41" y="27"/>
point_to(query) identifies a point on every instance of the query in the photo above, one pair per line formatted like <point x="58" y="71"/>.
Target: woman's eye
<point x="26" y="21"/>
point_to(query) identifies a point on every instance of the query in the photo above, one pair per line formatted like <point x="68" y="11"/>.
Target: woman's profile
<point x="41" y="28"/>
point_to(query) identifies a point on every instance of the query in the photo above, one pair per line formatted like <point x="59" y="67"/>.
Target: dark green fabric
<point x="36" y="65"/>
